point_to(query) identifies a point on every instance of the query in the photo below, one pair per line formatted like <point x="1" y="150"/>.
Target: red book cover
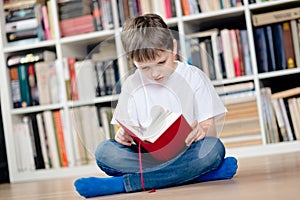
<point x="167" y="142"/>
<point x="168" y="9"/>
<point x="60" y="138"/>
<point x="74" y="89"/>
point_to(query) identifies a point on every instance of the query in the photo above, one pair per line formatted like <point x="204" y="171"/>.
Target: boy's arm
<point x="200" y="130"/>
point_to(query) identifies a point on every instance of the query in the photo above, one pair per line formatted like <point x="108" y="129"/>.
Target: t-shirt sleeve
<point x="207" y="102"/>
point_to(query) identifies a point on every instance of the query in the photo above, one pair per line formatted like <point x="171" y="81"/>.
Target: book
<point x="261" y="49"/>
<point x="279" y="47"/>
<point x="276" y="16"/>
<point x="165" y="137"/>
<point x="288" y="45"/>
<point x="24" y="86"/>
<point x="296" y="41"/>
<point x="15" y="87"/>
<point x="43" y="55"/>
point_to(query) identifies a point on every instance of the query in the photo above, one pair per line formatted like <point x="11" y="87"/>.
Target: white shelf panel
<point x="32" y="109"/>
<point x="267" y="149"/>
<point x="269" y="4"/>
<point x="44" y="174"/>
<point x="108" y="98"/>
<point x="94" y="36"/>
<point x="228" y="11"/>
<point x="26" y="46"/>
<point x="278" y="73"/>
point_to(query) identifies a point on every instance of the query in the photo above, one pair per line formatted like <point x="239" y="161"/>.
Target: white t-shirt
<point x="187" y="91"/>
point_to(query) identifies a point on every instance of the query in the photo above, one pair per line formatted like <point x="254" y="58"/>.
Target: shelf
<point x="27" y="46"/>
<point x="109" y="98"/>
<point x="33" y="109"/>
<point x="278" y="73"/>
<point x="267" y="149"/>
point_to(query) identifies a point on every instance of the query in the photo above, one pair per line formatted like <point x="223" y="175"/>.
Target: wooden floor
<point x="267" y="177"/>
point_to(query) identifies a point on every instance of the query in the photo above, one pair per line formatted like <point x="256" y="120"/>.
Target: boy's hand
<point x="123" y="138"/>
<point x="196" y="134"/>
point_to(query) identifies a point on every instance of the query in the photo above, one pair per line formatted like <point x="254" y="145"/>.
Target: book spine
<point x="279" y="47"/>
<point x="45" y="18"/>
<point x="24" y="86"/>
<point x="276" y="16"/>
<point x="288" y="45"/>
<point x="15" y="87"/>
<point x="74" y="89"/>
<point x="21" y="25"/>
<point x="60" y="139"/>
<point x="33" y="85"/>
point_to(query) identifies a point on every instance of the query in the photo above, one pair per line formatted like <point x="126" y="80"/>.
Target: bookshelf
<point x="76" y="45"/>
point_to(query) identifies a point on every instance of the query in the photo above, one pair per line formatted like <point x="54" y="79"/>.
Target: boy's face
<point x="161" y="68"/>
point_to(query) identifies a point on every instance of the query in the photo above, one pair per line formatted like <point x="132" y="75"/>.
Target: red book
<point x="60" y="138"/>
<point x="165" y="138"/>
<point x="74" y="89"/>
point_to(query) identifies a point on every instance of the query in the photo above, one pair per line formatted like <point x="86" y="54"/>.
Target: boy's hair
<point x="145" y="37"/>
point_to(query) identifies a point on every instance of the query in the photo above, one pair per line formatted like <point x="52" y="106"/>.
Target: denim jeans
<point x="118" y="160"/>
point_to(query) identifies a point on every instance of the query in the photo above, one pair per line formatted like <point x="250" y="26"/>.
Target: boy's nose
<point x="154" y="73"/>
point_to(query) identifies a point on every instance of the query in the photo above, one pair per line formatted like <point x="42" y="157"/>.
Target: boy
<point x="176" y="86"/>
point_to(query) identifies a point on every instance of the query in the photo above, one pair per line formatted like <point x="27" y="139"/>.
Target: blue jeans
<point x="118" y="160"/>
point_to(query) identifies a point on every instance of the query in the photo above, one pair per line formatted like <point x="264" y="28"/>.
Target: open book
<point x="165" y="137"/>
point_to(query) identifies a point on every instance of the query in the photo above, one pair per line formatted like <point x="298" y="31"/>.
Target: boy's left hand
<point x="196" y="134"/>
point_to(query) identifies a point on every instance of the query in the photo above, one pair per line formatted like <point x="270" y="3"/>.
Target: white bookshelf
<point x="75" y="45"/>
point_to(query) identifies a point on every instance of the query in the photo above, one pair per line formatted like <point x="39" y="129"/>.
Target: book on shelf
<point x="288" y="45"/>
<point x="43" y="139"/>
<point x="85" y="79"/>
<point x="107" y="14"/>
<point x="227" y="51"/>
<point x="35" y="56"/>
<point x="33" y="88"/>
<point x="276" y="16"/>
<point x="36" y="142"/>
<point x="295" y="115"/>
<point x="15" y="87"/>
<point x="60" y="139"/>
<point x="261" y="49"/>
<point x="54" y="159"/>
<point x="270" y="126"/>
<point x="23" y="146"/>
<point x="296" y="39"/>
<point x="279" y="46"/>
<point x="165" y="137"/>
<point x="288" y="101"/>
<point x="235" y="88"/>
<point x="24" y="86"/>
<point x="25" y="23"/>
<point x="87" y="133"/>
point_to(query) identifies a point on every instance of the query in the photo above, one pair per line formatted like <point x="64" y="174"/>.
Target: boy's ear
<point x="174" y="48"/>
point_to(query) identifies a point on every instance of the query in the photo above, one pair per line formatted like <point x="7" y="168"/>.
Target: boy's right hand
<point x="123" y="138"/>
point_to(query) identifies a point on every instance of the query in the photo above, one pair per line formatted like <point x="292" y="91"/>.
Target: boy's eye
<point x="145" y="68"/>
<point x="162" y="62"/>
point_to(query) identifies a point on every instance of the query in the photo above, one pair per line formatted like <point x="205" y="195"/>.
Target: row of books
<point x="43" y="142"/>
<point x="84" y="16"/>
<point x="28" y="21"/>
<point x="277" y="39"/>
<point x="87" y="79"/>
<point x="190" y="7"/>
<point x="282" y="114"/>
<point x="260" y="1"/>
<point x="131" y="8"/>
<point x="241" y="124"/>
<point x="34" y="79"/>
<point x="220" y="53"/>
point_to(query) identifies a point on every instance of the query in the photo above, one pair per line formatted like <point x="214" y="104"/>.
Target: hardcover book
<point x="165" y="137"/>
